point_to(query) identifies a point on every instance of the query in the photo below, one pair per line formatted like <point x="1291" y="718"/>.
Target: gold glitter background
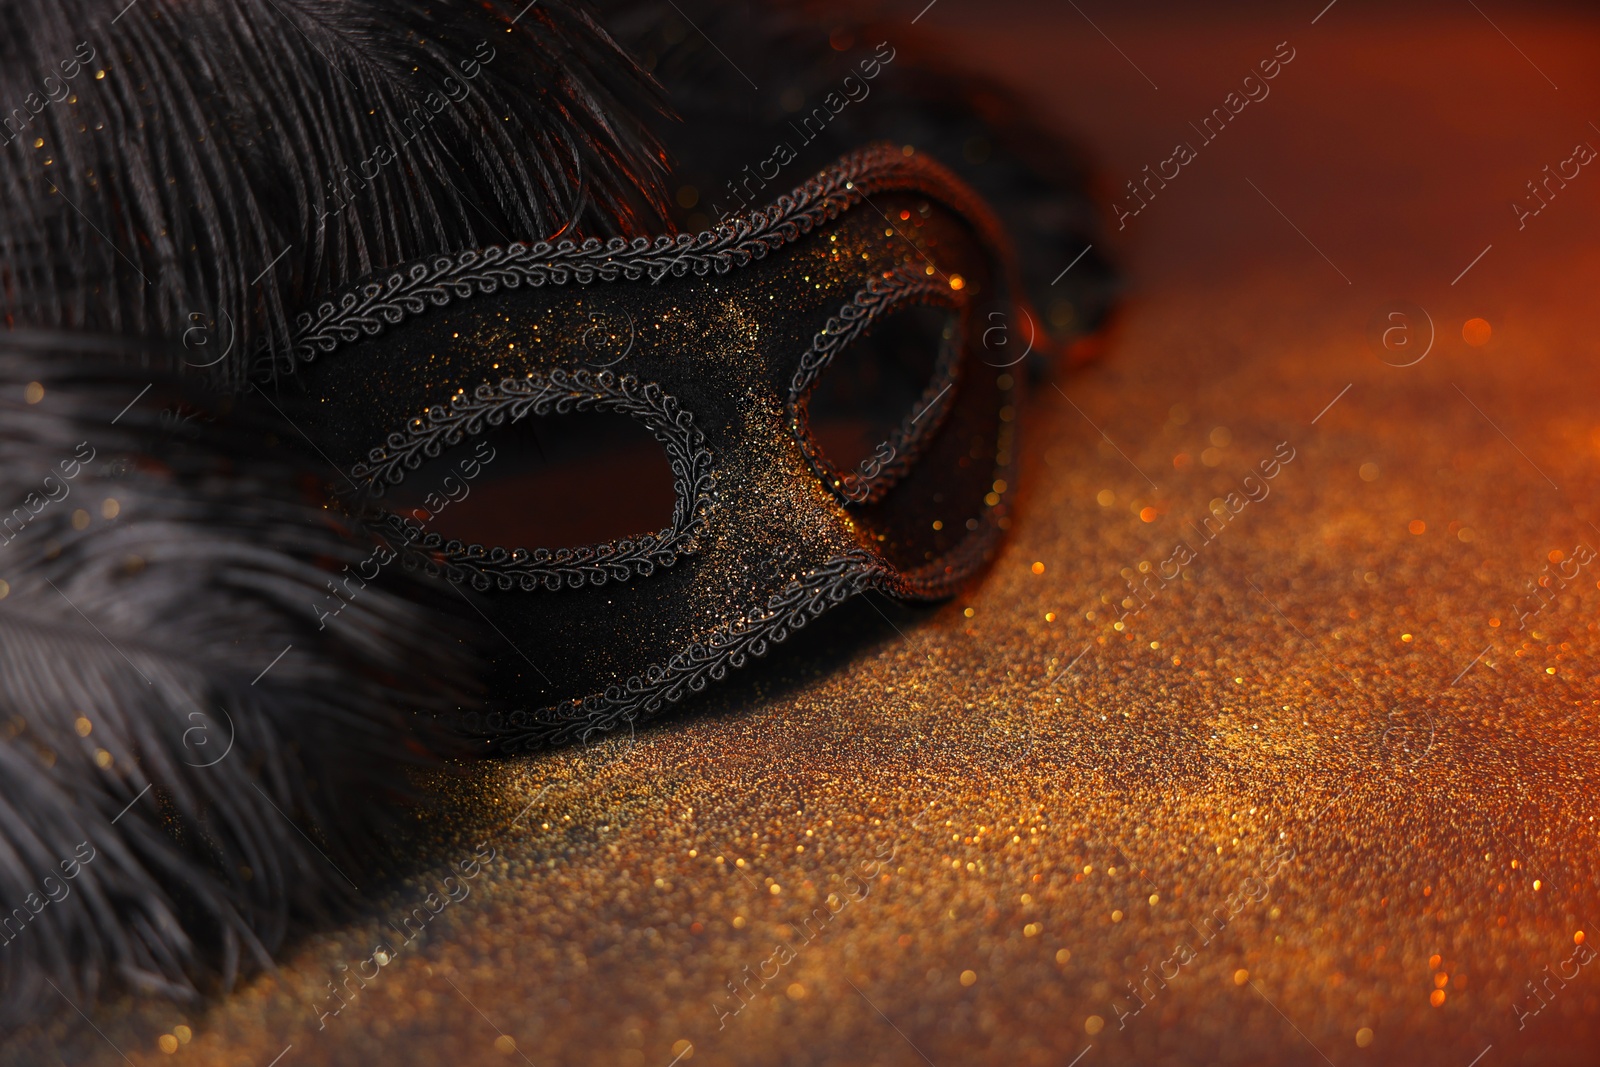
<point x="1320" y="800"/>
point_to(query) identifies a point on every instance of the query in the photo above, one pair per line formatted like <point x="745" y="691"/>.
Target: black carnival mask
<point x="813" y="375"/>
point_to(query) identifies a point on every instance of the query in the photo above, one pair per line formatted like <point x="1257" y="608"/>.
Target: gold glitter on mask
<point x="722" y="344"/>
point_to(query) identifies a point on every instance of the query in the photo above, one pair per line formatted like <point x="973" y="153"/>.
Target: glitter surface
<point x="1245" y="822"/>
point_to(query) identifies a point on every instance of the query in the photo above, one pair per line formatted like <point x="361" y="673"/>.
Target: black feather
<point x="201" y="170"/>
<point x="175" y="702"/>
<point x="205" y="139"/>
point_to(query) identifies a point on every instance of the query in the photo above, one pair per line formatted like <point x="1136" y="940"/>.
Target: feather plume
<point x="194" y="752"/>
<point x="178" y="165"/>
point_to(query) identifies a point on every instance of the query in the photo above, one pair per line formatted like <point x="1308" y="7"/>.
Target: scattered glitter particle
<point x="1093" y="1025"/>
<point x="1038" y="568"/>
<point x="1063" y="955"/>
<point x="796" y="991"/>
<point x="1417" y="526"/>
<point x="168" y="1043"/>
<point x="1476" y="332"/>
<point x="1241" y="976"/>
<point x="1364" y="1037"/>
<point x="505" y="1044"/>
<point x="969" y="977"/>
<point x="1369" y="472"/>
<point x="1436" y="998"/>
<point x="1106" y="498"/>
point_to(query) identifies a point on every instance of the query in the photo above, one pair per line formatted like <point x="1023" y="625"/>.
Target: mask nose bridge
<point x="772" y="496"/>
<point x="776" y="483"/>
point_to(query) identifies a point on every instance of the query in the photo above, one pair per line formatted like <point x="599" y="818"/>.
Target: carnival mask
<point x="813" y="375"/>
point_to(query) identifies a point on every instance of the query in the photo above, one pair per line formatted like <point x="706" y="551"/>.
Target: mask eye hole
<point x="880" y="397"/>
<point x="556" y="481"/>
<point x="592" y="459"/>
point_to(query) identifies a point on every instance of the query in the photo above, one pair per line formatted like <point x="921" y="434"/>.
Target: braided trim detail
<point x="690" y="669"/>
<point x="368" y="309"/>
<point x="557" y="392"/>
